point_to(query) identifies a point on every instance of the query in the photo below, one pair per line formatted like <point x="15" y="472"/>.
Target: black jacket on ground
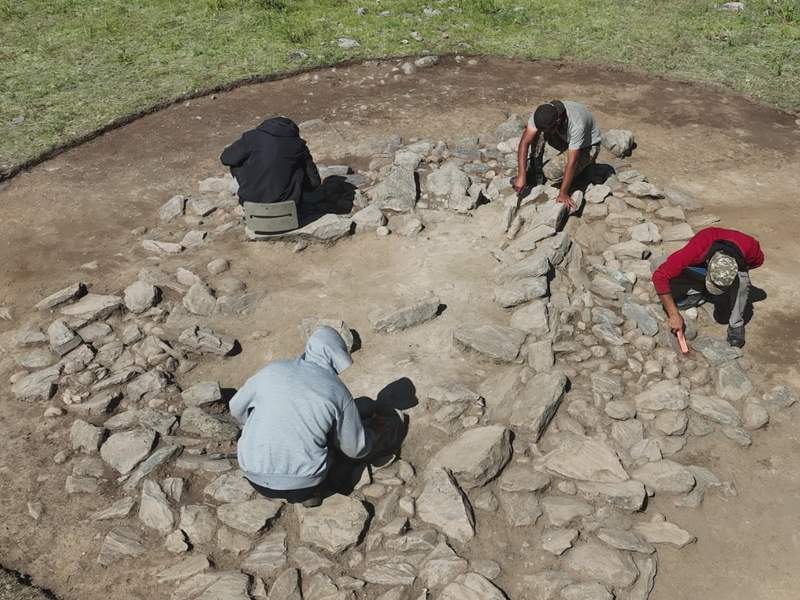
<point x="272" y="163"/>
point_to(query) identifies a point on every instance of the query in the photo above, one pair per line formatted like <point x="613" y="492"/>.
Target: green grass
<point x="70" y="66"/>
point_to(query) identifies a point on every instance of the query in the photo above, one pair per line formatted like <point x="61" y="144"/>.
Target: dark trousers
<point x="732" y="307"/>
<point x="291" y="496"/>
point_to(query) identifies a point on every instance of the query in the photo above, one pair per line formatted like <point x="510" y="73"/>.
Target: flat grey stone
<point x="124" y="450"/>
<point x="531" y="405"/>
<point x="198" y="523"/>
<point x="140" y="296"/>
<point x="520" y="291"/>
<point x="93" y="307"/>
<point x="202" y="394"/>
<point x="502" y="344"/>
<point x="172" y="208"/>
<point x="647" y="567"/>
<point x="531" y="267"/>
<point x="309" y="562"/>
<point x="619" y="142"/>
<point x="85" y="437"/>
<point x="532" y="318"/>
<point x="216" y="585"/>
<point x="146" y="386"/>
<point x="335" y="525"/>
<point x="397" y="191"/>
<point x="608" y="334"/>
<point x="754" y="415"/>
<point x="39" y="385"/>
<point x="716" y="351"/>
<point x="286" y="586"/>
<point x="558" y="541"/>
<point x="664" y="395"/>
<point x="150" y="464"/>
<point x="520" y="477"/>
<point x="645" y="320"/>
<point x="679" y="232"/>
<point x="268" y="557"/>
<point x="444" y="505"/>
<point x="586" y="460"/>
<point x="205" y="341"/>
<point x="661" y="531"/>
<point x="81" y="485"/>
<point x="28" y="337"/>
<point x="159" y="247"/>
<point x="732" y="383"/>
<point x="118" y="510"/>
<point x="200" y="300"/>
<point x="521" y="509"/>
<point x="665" y="476"/>
<point x="154" y="510"/>
<point x="597" y="561"/>
<point x="471" y="586"/>
<point x="250" y="516"/>
<point x="402" y="317"/>
<point x="186" y="568"/>
<point x="392" y="572"/>
<point x="715" y="409"/>
<point x="779" y="397"/>
<point x="38" y="358"/>
<point x="121" y="542"/>
<point x="66" y="294"/>
<point x="624" y="540"/>
<point x="62" y="338"/>
<point x="230" y="487"/>
<point x="476" y="457"/>
<point x="195" y="420"/>
<point x="585" y="591"/>
<point x="562" y="510"/>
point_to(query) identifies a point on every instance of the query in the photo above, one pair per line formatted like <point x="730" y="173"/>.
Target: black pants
<point x="732" y="307"/>
<point x="291" y="496"/>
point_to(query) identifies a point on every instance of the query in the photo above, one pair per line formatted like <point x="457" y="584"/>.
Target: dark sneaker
<point x="691" y="301"/>
<point x="736" y="336"/>
<point x="312" y="502"/>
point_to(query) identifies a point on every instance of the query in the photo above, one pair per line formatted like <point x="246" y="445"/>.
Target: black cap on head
<point x="547" y="116"/>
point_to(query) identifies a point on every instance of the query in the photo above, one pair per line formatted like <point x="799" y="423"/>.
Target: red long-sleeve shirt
<point x="693" y="254"/>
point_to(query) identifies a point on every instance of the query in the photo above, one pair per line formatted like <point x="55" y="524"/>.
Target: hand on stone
<point x="565" y="199"/>
<point x="520" y="181"/>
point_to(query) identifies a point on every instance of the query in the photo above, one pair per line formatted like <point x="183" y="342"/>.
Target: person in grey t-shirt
<point x="569" y="143"/>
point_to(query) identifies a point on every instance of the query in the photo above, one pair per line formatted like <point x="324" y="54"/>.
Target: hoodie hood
<point x="280" y="127"/>
<point x="327" y="349"/>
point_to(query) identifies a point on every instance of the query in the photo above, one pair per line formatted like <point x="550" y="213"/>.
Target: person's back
<point x="291" y="410"/>
<point x="272" y="163"/>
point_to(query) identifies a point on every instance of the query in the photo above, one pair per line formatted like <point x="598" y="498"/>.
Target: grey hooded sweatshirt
<point x="291" y="409"/>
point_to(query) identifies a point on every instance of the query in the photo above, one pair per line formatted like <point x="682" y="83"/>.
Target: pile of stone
<point x="586" y="424"/>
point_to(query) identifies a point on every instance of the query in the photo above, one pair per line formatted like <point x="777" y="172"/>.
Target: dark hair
<point x="548" y="115"/>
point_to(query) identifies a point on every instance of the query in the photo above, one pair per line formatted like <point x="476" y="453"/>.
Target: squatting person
<point x="713" y="266"/>
<point x="295" y="415"/>
<point x="272" y="163"/>
<point x="566" y="141"/>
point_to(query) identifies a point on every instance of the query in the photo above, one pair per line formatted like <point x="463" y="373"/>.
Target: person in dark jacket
<point x="713" y="266"/>
<point x="272" y="163"/>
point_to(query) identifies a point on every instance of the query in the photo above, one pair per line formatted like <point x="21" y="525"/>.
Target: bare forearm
<point x="668" y="302"/>
<point x="522" y="156"/>
<point x="569" y="175"/>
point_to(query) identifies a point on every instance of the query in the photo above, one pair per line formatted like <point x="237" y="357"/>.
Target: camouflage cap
<point x="722" y="272"/>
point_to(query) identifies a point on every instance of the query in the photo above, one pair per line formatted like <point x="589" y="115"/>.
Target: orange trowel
<point x="682" y="342"/>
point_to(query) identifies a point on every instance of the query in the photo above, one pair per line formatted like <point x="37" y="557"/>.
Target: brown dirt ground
<point x="738" y="157"/>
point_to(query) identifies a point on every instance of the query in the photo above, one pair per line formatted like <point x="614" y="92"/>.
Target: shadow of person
<point x="334" y="196"/>
<point x="387" y="428"/>
<point x="724" y="307"/>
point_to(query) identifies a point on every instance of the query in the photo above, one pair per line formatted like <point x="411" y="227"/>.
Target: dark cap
<point x="546" y="116"/>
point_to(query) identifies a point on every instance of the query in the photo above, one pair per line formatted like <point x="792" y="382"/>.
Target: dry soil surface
<point x="739" y="158"/>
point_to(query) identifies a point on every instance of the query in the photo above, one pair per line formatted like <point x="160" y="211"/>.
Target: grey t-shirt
<point x="581" y="131"/>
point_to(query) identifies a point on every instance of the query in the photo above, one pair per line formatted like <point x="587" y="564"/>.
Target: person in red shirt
<point x="713" y="266"/>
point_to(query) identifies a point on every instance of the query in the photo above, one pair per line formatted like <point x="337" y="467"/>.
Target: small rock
<point x="661" y="531"/>
<point x="84" y="437"/>
<point x="502" y="344"/>
<point x="121" y="542"/>
<point x="202" y="394"/>
<point x="61" y="296"/>
<point x="172" y="209"/>
<point x="334" y="526"/>
<point x="403" y="317"/>
<point x="754" y="415"/>
<point x="124" y="450"/>
<point x="154" y="510"/>
<point x="558" y="541"/>
<point x="445" y="506"/>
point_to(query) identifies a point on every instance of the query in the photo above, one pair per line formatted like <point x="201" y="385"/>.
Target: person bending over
<point x="295" y="413"/>
<point x="566" y="141"/>
<point x="713" y="266"/>
<point x="272" y="163"/>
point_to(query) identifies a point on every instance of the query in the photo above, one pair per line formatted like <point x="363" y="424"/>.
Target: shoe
<point x="691" y="301"/>
<point x="312" y="502"/>
<point x="736" y="336"/>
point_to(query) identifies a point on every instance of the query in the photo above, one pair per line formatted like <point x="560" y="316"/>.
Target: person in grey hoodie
<point x="291" y="412"/>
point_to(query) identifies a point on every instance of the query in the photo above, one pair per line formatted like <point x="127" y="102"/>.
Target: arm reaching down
<point x="235" y="154"/>
<point x="528" y="137"/>
<point x="569" y="176"/>
<point x="241" y="402"/>
<point x="674" y="317"/>
<point x="351" y="436"/>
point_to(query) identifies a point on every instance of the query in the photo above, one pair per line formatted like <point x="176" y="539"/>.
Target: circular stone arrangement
<point x="589" y="422"/>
